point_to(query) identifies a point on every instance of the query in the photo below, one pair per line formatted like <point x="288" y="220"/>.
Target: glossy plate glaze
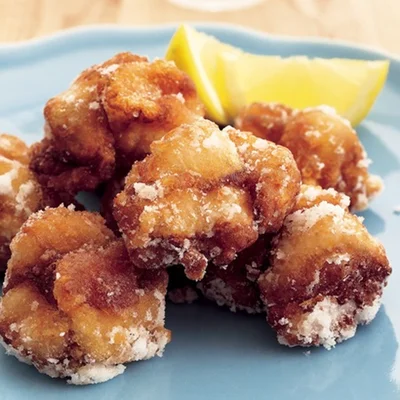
<point x="216" y="354"/>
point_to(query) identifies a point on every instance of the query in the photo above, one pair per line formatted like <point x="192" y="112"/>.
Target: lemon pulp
<point x="228" y="79"/>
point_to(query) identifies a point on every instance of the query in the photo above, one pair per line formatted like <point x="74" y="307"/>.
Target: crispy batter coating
<point x="13" y="148"/>
<point x="204" y="195"/>
<point x="327" y="274"/>
<point x="329" y="154"/>
<point x="235" y="285"/>
<point x="108" y="118"/>
<point x="265" y="120"/>
<point x="20" y="193"/>
<point x="74" y="305"/>
<point x="325" y="147"/>
<point x="143" y="101"/>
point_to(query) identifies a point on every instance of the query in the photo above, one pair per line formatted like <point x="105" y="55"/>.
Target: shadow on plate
<point x="384" y="158"/>
<point x="373" y="222"/>
<point x="221" y="352"/>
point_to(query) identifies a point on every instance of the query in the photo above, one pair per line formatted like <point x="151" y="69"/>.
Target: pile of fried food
<point x="257" y="217"/>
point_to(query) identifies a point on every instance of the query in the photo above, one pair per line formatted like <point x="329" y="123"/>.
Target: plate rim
<point x="46" y="41"/>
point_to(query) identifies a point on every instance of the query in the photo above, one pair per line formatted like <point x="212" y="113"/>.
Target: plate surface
<point x="216" y="354"/>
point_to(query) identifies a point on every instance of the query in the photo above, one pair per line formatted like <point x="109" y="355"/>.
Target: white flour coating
<point x="314" y="282"/>
<point x="141" y="345"/>
<point x="217" y="290"/>
<point x="261" y="144"/>
<point x="108" y="70"/>
<point x="328" y="110"/>
<point x="149" y="192"/>
<point x="368" y="313"/>
<point x="20" y="193"/>
<point x="311" y="193"/>
<point x="364" y="162"/>
<point x="10" y="351"/>
<point x="303" y="220"/>
<point x="339" y="259"/>
<point x="180" y="97"/>
<point x="323" y="325"/>
<point x="6" y="179"/>
<point x="137" y="343"/>
<point x="220" y="140"/>
<point x="95" y="373"/>
<point x="94" y="105"/>
<point x="134" y="344"/>
<point x="377" y="182"/>
<point x="25" y="190"/>
<point x="313" y="133"/>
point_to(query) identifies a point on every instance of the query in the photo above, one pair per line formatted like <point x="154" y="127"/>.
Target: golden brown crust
<point x="326" y="276"/>
<point x="46" y="237"/>
<point x="264" y="120"/>
<point x="20" y="193"/>
<point x="108" y="118"/>
<point x="143" y="101"/>
<point x="325" y="147"/>
<point x="13" y="148"/>
<point x="329" y="154"/>
<point x="73" y="299"/>
<point x="61" y="179"/>
<point x="201" y="189"/>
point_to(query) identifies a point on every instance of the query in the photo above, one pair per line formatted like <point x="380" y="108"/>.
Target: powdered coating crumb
<point x="303" y="220"/>
<point x="108" y="70"/>
<point x="20" y="194"/>
<point x="218" y="291"/>
<point x="94" y="105"/>
<point x="149" y="192"/>
<point x="96" y="373"/>
<point x="210" y="199"/>
<point x="98" y="296"/>
<point x="324" y="323"/>
<point x="329" y="153"/>
<point x="331" y="278"/>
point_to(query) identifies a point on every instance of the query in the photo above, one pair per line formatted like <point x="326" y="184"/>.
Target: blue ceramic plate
<point x="216" y="354"/>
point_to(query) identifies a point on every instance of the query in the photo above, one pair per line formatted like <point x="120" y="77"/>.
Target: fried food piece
<point x="265" y="120"/>
<point x="325" y="147"/>
<point x="235" y="285"/>
<point x="108" y="118"/>
<point x="329" y="154"/>
<point x="204" y="195"/>
<point x="327" y="275"/>
<point x="143" y="101"/>
<point x="20" y="193"/>
<point x="73" y="304"/>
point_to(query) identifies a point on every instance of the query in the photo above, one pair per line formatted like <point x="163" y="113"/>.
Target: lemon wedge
<point x="198" y="55"/>
<point x="350" y="86"/>
<point x="228" y="79"/>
